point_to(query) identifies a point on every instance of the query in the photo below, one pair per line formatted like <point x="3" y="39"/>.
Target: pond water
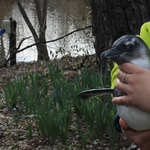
<point x="63" y="17"/>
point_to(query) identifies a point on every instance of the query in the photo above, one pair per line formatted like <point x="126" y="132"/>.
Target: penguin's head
<point x="128" y="48"/>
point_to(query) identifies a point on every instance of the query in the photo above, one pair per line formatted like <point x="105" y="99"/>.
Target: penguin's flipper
<point x="88" y="94"/>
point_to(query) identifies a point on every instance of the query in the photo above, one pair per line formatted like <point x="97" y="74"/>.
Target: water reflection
<point x="63" y="16"/>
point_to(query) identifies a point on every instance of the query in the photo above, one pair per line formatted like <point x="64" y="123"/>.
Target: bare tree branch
<point x="27" y="20"/>
<point x="55" y="39"/>
<point x="23" y="41"/>
<point x="38" y="10"/>
<point x="44" y="15"/>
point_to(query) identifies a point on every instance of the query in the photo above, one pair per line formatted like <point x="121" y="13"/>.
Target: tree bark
<point x="112" y="19"/>
<point x="12" y="42"/>
<point x="42" y="14"/>
<point x="41" y="48"/>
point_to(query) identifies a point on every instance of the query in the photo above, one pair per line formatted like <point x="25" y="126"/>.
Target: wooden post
<point x="12" y="40"/>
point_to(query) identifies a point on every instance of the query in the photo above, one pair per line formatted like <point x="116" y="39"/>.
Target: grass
<point x="52" y="100"/>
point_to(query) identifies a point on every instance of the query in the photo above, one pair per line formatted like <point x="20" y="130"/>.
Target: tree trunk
<point x="42" y="15"/>
<point x="12" y="42"/>
<point x="41" y="48"/>
<point x="112" y="19"/>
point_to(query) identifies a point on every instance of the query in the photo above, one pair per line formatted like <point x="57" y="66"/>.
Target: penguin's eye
<point x="129" y="44"/>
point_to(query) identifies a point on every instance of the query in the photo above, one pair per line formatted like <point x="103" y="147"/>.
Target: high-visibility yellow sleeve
<point x="145" y="33"/>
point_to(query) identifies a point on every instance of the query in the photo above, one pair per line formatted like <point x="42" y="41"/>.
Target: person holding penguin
<point x="135" y="82"/>
<point x="130" y="86"/>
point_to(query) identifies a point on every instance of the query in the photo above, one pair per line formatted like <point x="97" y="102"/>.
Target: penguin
<point x="132" y="49"/>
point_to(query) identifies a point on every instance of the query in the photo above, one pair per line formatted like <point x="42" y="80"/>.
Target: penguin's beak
<point x="110" y="54"/>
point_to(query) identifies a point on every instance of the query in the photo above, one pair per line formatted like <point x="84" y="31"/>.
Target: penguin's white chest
<point x="142" y="62"/>
<point x="135" y="118"/>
